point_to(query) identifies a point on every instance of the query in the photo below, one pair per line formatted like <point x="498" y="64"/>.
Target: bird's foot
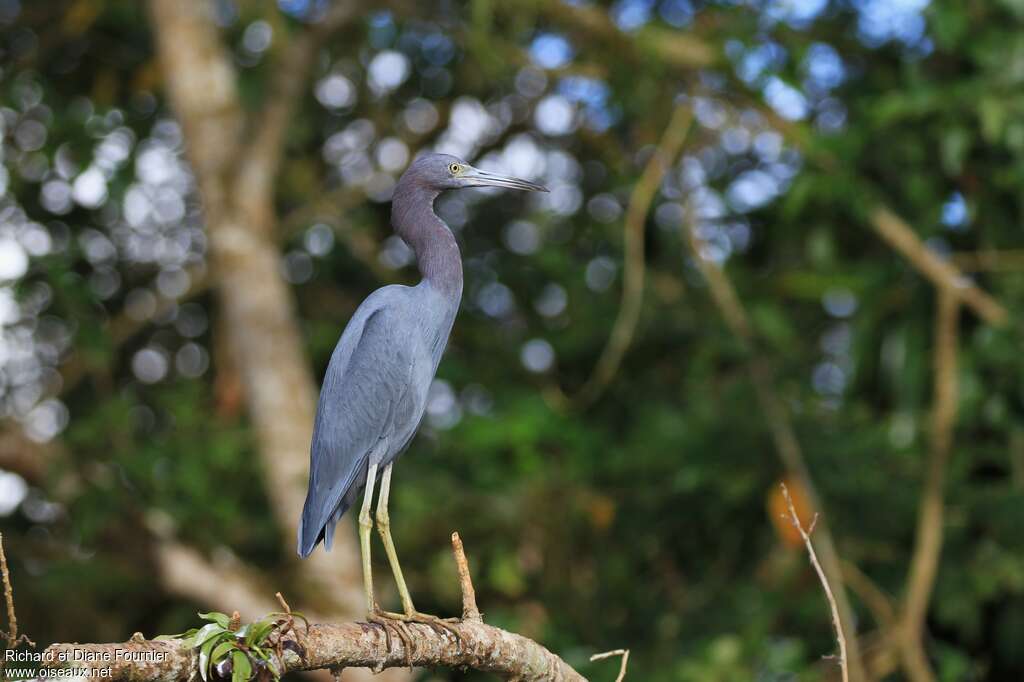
<point x="387" y="623"/>
<point x="439" y="625"/>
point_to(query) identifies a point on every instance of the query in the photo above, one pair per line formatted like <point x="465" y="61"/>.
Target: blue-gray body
<point x="375" y="391"/>
<point x="373" y="397"/>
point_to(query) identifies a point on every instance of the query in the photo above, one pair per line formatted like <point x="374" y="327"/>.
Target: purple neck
<point x="437" y="253"/>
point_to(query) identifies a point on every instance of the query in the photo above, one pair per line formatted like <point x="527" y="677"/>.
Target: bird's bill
<point x="479" y="178"/>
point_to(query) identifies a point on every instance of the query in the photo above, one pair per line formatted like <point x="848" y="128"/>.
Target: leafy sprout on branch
<point x="229" y="650"/>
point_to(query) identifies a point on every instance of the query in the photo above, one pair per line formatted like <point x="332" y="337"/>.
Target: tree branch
<point x="928" y="537"/>
<point x="633" y="236"/>
<point x="468" y="643"/>
<point x="943" y="274"/>
<point x="990" y="260"/>
<point x="478" y="646"/>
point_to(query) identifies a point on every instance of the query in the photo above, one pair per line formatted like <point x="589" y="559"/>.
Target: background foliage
<point x="646" y="520"/>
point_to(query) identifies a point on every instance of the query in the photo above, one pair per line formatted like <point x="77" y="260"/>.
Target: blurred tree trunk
<point x="236" y="184"/>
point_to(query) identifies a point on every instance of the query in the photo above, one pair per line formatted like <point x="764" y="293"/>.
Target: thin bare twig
<point x="633" y="234"/>
<point x="12" y="637"/>
<point x="806" y="535"/>
<point x="724" y="296"/>
<point x="469" y="608"/>
<point x="615" y="652"/>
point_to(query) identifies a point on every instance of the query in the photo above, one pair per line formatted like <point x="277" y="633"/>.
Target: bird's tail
<point x="313" y="527"/>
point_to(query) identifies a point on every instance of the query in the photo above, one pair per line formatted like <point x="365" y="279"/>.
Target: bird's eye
<point x="454" y="168"/>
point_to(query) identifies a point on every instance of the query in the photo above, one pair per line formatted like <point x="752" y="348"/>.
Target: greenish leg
<point x="384" y="527"/>
<point x="365" y="526"/>
<point x="411" y="615"/>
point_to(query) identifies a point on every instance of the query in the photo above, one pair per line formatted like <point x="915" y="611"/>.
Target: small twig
<point x="12" y="619"/>
<point x="616" y="652"/>
<point x="806" y="535"/>
<point x="469" y="608"/>
<point x="780" y="424"/>
<point x="284" y="605"/>
<point x="13" y="640"/>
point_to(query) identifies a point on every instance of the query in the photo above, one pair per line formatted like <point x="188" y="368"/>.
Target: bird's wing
<point x="366" y="383"/>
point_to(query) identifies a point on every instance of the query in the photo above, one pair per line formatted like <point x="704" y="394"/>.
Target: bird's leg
<point x="384" y="528"/>
<point x="365" y="526"/>
<point x="410" y="615"/>
<point x="373" y="612"/>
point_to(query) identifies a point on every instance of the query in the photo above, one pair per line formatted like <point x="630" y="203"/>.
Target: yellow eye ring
<point x="454" y="168"/>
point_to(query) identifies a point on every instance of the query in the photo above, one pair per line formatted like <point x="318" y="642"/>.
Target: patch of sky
<point x="954" y="213"/>
<point x="786" y="100"/>
<point x="555" y="115"/>
<point x="752" y="190"/>
<point x="591" y="95"/>
<point x="824" y="67"/>
<point x="881" y="21"/>
<point x="307" y="10"/>
<point x="629" y="15"/>
<point x="796" y="13"/>
<point x="387" y="71"/>
<point x="550" y="51"/>
<point x="753" y="64"/>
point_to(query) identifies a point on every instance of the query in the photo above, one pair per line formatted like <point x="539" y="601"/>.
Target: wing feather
<point x="368" y="375"/>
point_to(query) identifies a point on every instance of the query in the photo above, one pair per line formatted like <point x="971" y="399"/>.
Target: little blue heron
<point x="375" y="390"/>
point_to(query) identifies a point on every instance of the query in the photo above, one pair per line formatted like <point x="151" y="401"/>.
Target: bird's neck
<point x="437" y="253"/>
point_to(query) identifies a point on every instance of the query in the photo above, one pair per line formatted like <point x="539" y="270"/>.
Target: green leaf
<point x="220" y="650"/>
<point x="241" y="667"/>
<point x="259" y="630"/>
<point x="187" y="638"/>
<point x="217" y="617"/>
<point x="204" y="657"/>
<point x="206" y="632"/>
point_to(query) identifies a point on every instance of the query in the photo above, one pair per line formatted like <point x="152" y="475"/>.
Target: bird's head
<point x="441" y="172"/>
